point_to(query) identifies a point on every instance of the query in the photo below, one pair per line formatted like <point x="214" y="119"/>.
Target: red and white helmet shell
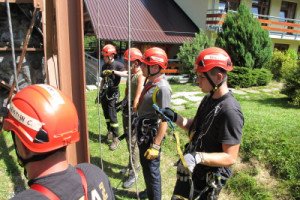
<point x="155" y="56"/>
<point x="135" y="54"/>
<point x="213" y="57"/>
<point x="108" y="50"/>
<point x="43" y="118"/>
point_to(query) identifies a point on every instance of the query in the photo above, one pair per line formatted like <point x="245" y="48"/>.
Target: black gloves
<point x="168" y="112"/>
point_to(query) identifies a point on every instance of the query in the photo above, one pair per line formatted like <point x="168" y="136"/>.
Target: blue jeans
<point x="151" y="173"/>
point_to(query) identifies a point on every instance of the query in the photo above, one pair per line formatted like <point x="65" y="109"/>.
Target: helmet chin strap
<point x="215" y="86"/>
<point x="149" y="74"/>
<point x="22" y="162"/>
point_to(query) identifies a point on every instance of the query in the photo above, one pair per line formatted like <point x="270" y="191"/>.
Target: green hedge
<point x="244" y="77"/>
<point x="291" y="74"/>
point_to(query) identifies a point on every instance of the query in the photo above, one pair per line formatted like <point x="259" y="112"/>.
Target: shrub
<point x="280" y="59"/>
<point x="244" y="77"/>
<point x="291" y="74"/>
<point x="188" y="52"/>
<point x="247" y="43"/>
<point x="264" y="77"/>
<point x="240" y="77"/>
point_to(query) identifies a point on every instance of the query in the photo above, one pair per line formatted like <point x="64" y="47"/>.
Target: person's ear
<point x="220" y="77"/>
<point x="23" y="151"/>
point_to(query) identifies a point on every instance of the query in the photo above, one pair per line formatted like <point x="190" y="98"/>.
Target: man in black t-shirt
<point x="43" y="122"/>
<point x="110" y="93"/>
<point x="215" y="132"/>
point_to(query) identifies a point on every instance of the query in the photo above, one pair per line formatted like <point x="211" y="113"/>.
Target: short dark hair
<point x="214" y="71"/>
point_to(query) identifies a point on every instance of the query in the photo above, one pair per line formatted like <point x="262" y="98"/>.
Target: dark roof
<point x="159" y="21"/>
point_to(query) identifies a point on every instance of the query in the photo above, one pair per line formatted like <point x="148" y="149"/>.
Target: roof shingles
<point x="159" y="21"/>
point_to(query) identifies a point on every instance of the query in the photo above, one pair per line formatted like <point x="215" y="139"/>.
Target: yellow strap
<point x="180" y="152"/>
<point x="154" y="95"/>
<point x="180" y="197"/>
<point x="114" y="125"/>
<point x="192" y="135"/>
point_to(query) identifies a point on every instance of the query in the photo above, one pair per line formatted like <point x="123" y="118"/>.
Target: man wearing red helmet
<point x="136" y="81"/>
<point x="110" y="93"/>
<point x="43" y="121"/>
<point x="150" y="130"/>
<point x="215" y="132"/>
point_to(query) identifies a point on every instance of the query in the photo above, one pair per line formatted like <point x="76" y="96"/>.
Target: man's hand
<point x="152" y="152"/>
<point x="167" y="112"/>
<point x="107" y="72"/>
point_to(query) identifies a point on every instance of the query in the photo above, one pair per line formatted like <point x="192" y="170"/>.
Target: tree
<point x="188" y="52"/>
<point x="247" y="43"/>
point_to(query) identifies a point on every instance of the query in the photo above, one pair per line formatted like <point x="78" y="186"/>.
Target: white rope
<point x="129" y="102"/>
<point x="98" y="87"/>
<point x="12" y="45"/>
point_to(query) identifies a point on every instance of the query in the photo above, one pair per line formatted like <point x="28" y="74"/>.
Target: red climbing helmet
<point x="155" y="56"/>
<point x="135" y="54"/>
<point x="108" y="49"/>
<point x="43" y="118"/>
<point x="213" y="57"/>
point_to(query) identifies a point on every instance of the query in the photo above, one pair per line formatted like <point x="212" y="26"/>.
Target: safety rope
<point x="179" y="151"/>
<point x="129" y="100"/>
<point x="12" y="45"/>
<point x="98" y="88"/>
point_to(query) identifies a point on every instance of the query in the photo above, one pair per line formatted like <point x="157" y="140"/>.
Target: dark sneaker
<point x="115" y="143"/>
<point x="130" y="181"/>
<point x="143" y="194"/>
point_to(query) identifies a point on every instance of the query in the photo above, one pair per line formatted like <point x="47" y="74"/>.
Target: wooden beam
<point x="281" y="29"/>
<point x="17" y="1"/>
<point x="21" y="49"/>
<point x="278" y="23"/>
<point x="70" y="46"/>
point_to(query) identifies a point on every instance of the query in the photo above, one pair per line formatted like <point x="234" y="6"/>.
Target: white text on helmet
<point x="156" y="58"/>
<point x="24" y="119"/>
<point x="215" y="57"/>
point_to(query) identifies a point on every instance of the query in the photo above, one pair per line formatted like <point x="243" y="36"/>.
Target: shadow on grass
<point x="277" y="102"/>
<point x="11" y="166"/>
<point x="95" y="137"/>
<point x="121" y="193"/>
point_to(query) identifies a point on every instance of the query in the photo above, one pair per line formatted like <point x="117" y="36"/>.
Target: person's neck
<point x="220" y="92"/>
<point x="152" y="78"/>
<point x="53" y="164"/>
<point x="111" y="61"/>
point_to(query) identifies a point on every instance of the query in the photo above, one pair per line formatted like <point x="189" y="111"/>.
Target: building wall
<point x="197" y="11"/>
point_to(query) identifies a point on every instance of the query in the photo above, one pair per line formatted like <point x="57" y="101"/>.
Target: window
<point x="261" y="7"/>
<point x="288" y="9"/>
<point x="229" y="5"/>
<point x="281" y="47"/>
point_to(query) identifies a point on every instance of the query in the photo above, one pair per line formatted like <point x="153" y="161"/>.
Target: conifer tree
<point x="189" y="52"/>
<point x="247" y="43"/>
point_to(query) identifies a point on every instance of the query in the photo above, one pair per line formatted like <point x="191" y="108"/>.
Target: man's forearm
<point x="184" y="123"/>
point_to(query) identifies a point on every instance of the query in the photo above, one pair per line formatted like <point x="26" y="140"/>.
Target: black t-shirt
<point x="218" y="121"/>
<point x="113" y="80"/>
<point x="67" y="185"/>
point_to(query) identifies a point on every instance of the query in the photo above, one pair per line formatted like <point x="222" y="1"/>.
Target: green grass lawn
<point x="271" y="135"/>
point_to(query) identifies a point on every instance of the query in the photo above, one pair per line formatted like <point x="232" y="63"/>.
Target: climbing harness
<point x="179" y="151"/>
<point x="213" y="182"/>
<point x="145" y="90"/>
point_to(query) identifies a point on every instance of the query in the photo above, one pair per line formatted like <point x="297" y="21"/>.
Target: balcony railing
<point x="283" y="28"/>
